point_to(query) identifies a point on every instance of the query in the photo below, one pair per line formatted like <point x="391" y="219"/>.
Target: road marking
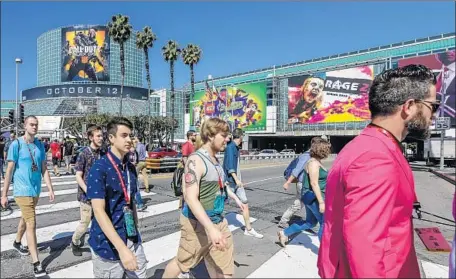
<point x="53" y="184"/>
<point x="433" y="270"/>
<point x="256" y="181"/>
<point x="53" y="207"/>
<point x="157" y="251"/>
<point x="49" y="233"/>
<point x="56" y="193"/>
<point x="56" y="177"/>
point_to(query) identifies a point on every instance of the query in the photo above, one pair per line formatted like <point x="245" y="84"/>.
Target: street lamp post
<point x="18" y="61"/>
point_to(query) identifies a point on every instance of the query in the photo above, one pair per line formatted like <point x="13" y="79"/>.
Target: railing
<point x="169" y="164"/>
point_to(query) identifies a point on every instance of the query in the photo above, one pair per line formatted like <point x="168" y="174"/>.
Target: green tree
<point x="191" y="55"/>
<point x="144" y="41"/>
<point x="171" y="52"/>
<point x="120" y="30"/>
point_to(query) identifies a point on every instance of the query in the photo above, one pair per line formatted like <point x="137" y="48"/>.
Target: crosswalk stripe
<point x="56" y="177"/>
<point x="54" y="232"/>
<point x="56" y="193"/>
<point x="48" y="208"/>
<point x="53" y="184"/>
<point x="158" y="251"/>
<point x="433" y="270"/>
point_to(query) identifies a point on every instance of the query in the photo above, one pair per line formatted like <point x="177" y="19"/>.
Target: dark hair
<point x="394" y="87"/>
<point x="237" y="133"/>
<point x="320" y="148"/>
<point x="190" y="133"/>
<point x="117" y="121"/>
<point x="92" y="129"/>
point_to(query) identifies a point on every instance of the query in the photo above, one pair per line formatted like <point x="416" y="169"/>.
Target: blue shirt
<point x="27" y="183"/>
<point x="230" y="161"/>
<point x="298" y="171"/>
<point x="142" y="153"/>
<point x="103" y="183"/>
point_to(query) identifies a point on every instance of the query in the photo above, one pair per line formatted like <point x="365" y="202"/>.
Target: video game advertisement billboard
<point x="242" y="106"/>
<point x="85" y="54"/>
<point x="443" y="65"/>
<point x="335" y="96"/>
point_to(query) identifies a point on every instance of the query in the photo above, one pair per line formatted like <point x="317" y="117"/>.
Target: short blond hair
<point x="212" y="127"/>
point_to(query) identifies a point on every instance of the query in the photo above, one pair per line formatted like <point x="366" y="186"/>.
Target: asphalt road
<point x="160" y="229"/>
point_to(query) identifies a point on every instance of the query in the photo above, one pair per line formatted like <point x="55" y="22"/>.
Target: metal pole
<point x="17" y="97"/>
<point x="442" y="114"/>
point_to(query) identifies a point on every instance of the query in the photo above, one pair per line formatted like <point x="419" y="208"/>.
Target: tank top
<point x="322" y="178"/>
<point x="212" y="192"/>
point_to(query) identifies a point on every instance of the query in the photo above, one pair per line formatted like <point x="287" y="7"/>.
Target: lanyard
<point x="122" y="183"/>
<point x="30" y="152"/>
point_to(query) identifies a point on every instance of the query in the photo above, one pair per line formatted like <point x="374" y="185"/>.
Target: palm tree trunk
<point x="122" y="72"/>
<point x="146" y="55"/>
<point x="173" y="97"/>
<point x="192" y="83"/>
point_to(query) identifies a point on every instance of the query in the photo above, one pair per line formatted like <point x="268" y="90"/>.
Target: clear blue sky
<point x="235" y="37"/>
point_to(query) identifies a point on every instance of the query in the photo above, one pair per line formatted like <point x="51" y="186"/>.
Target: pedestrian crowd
<point x="363" y="204"/>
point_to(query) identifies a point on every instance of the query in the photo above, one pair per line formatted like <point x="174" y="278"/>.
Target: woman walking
<point x="313" y="191"/>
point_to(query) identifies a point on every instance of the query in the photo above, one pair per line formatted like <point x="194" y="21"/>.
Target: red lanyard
<point x="122" y="183"/>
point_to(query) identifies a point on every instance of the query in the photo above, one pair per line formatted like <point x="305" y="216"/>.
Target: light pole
<point x="18" y="61"/>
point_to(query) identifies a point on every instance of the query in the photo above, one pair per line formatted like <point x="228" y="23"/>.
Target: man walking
<point x="56" y="154"/>
<point x="114" y="238"/>
<point x="141" y="167"/>
<point x="189" y="146"/>
<point x="68" y="151"/>
<point x="83" y="164"/>
<point x="27" y="163"/>
<point x="2" y="149"/>
<point x="231" y="166"/>
<point x="204" y="230"/>
<point x="368" y="229"/>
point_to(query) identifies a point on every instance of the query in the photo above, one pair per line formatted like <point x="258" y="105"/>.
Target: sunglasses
<point x="433" y="106"/>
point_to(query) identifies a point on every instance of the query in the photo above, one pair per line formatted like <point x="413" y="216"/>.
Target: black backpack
<point x="176" y="182"/>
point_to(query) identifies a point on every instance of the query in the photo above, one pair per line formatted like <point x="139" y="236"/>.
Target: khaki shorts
<point x="141" y="165"/>
<point x="27" y="206"/>
<point x="194" y="245"/>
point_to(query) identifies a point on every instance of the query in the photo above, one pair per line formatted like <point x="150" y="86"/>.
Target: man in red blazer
<point x="368" y="230"/>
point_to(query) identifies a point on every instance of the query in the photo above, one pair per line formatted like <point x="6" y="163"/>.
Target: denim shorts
<point x="240" y="193"/>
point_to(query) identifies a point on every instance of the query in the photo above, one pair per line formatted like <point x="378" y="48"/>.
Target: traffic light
<point x="11" y="115"/>
<point x="21" y="113"/>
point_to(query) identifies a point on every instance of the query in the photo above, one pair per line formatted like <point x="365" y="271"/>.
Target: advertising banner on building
<point x="85" y="54"/>
<point x="243" y="106"/>
<point x="335" y="96"/>
<point x="443" y="64"/>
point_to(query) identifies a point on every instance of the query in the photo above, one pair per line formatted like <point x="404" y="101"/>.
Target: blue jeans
<point x="313" y="216"/>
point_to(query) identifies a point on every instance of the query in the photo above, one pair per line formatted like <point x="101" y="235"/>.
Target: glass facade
<point x="49" y="64"/>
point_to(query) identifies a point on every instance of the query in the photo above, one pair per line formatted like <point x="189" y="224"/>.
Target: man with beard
<point x="368" y="229"/>
<point x="312" y="97"/>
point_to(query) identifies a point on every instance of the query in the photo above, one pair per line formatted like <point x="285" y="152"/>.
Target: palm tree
<point x="191" y="55"/>
<point x="144" y="41"/>
<point x="120" y="31"/>
<point x="171" y="52"/>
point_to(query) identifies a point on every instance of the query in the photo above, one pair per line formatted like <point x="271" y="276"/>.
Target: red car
<point x="162" y="152"/>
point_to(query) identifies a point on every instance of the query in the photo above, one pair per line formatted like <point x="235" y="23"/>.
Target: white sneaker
<point x="253" y="233"/>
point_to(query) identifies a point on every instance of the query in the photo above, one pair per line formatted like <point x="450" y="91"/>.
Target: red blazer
<point x="368" y="230"/>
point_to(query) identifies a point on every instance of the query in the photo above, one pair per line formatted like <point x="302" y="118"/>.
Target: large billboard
<point x="443" y="64"/>
<point x="85" y="54"/>
<point x="335" y="96"/>
<point x="243" y="106"/>
<point x="83" y="90"/>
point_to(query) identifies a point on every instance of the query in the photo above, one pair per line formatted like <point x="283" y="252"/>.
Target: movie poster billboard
<point x="85" y="54"/>
<point x="242" y="106"/>
<point x="443" y="64"/>
<point x="335" y="96"/>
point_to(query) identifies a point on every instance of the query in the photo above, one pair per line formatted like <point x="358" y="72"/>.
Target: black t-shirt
<point x="2" y="148"/>
<point x="68" y="148"/>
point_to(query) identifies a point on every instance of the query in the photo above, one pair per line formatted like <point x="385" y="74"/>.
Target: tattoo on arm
<point x="190" y="174"/>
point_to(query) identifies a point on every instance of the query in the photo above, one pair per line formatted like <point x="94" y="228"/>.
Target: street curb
<point x="443" y="176"/>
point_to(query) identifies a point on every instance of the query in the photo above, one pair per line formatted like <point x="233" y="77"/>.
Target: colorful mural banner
<point x="443" y="65"/>
<point x="85" y="54"/>
<point x="335" y="96"/>
<point x="243" y="106"/>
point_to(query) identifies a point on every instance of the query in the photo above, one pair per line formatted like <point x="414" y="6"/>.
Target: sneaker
<point x="23" y="250"/>
<point x="253" y="233"/>
<point x="76" y="249"/>
<point x="38" y="269"/>
<point x="283" y="239"/>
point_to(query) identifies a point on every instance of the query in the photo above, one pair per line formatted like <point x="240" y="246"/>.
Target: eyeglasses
<point x="433" y="106"/>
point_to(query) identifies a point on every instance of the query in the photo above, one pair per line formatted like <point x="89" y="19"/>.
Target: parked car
<point x="254" y="151"/>
<point x="162" y="152"/>
<point x="287" y="152"/>
<point x="266" y="152"/>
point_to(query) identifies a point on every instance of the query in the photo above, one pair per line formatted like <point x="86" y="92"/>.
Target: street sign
<point x="442" y="123"/>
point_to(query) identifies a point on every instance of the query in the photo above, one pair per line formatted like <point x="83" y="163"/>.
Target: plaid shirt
<point x="84" y="162"/>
